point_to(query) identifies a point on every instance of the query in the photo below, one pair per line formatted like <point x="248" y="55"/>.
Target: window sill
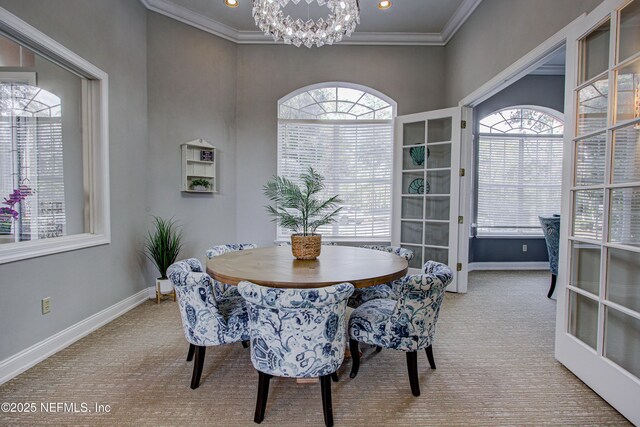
<point x="510" y="236"/>
<point x="12" y="252"/>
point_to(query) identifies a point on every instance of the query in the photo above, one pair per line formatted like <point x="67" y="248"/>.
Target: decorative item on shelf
<point x="298" y="208"/>
<point x="199" y="167"/>
<point x="206" y="155"/>
<point x="200" y="184"/>
<point x="8" y="213"/>
<point x="417" y="186"/>
<point x="417" y="155"/>
<point x="162" y="246"/>
<point x="344" y="16"/>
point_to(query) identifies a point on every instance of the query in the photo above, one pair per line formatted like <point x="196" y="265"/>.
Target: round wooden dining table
<point x="277" y="267"/>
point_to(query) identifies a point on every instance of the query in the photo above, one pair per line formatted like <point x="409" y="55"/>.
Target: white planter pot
<point x="200" y="188"/>
<point x="165" y="286"/>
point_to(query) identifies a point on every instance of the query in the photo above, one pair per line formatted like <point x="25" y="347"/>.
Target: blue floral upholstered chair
<point x="551" y="229"/>
<point x="386" y="290"/>
<point x="207" y="320"/>
<point x="296" y="333"/>
<point x="407" y="324"/>
<point x="222" y="289"/>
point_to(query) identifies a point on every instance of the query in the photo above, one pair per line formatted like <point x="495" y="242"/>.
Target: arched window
<point x="31" y="159"/>
<point x="345" y="132"/>
<point x="519" y="170"/>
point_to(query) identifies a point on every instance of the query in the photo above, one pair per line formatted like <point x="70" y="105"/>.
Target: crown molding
<point x="189" y="17"/>
<point x="549" y="70"/>
<point x="458" y="18"/>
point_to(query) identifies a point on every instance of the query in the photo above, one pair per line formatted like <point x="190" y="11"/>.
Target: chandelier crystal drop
<point x="343" y="17"/>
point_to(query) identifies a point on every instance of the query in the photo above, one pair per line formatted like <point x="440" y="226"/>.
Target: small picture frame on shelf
<point x="206" y="155"/>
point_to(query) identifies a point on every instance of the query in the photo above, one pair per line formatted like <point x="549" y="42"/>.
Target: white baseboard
<point x="479" y="266"/>
<point x="20" y="362"/>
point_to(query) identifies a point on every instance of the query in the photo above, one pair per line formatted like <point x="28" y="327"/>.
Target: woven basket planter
<point x="306" y="247"/>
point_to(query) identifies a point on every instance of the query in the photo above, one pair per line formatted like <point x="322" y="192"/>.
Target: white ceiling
<point x="408" y="22"/>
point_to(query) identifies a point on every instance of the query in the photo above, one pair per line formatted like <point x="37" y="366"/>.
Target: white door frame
<point x="523" y="66"/>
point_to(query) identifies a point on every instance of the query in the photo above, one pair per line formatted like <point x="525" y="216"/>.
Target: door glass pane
<point x="439" y="130"/>
<point x="590" y="160"/>
<point x="623" y="278"/>
<point x="438" y="182"/>
<point x="585" y="268"/>
<point x="626" y="154"/>
<point x="624" y="224"/>
<point x="416" y="262"/>
<point x="436" y="254"/>
<point x="414" y="133"/>
<point x="412" y="207"/>
<point x="593" y="101"/>
<point x="595" y="53"/>
<point x="413" y="157"/>
<point x="583" y="319"/>
<point x="628" y="88"/>
<point x="629" y="30"/>
<point x="437" y="208"/>
<point x="436" y="234"/>
<point x="413" y="183"/>
<point x="622" y="340"/>
<point x="439" y="156"/>
<point x="411" y="232"/>
<point x="587" y="214"/>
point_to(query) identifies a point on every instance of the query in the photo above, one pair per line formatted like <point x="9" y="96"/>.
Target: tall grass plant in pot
<point x="162" y="247"/>
<point x="300" y="209"/>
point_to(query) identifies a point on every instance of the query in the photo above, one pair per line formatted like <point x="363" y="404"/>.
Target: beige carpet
<point x="494" y="352"/>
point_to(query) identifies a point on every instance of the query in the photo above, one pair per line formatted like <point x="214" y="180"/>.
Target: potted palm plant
<point x="299" y="209"/>
<point x="162" y="246"/>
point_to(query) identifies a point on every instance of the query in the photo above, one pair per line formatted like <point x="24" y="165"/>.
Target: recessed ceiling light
<point x="384" y="4"/>
<point x="231" y="3"/>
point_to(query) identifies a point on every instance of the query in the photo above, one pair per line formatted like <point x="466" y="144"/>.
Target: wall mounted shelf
<point x="199" y="162"/>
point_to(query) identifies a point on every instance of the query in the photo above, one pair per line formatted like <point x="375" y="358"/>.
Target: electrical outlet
<point x="524" y="248"/>
<point x="46" y="305"/>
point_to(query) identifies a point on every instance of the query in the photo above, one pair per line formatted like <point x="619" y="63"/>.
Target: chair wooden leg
<point x="378" y="349"/>
<point x="263" y="394"/>
<point x="355" y="358"/>
<point x="192" y="349"/>
<point x="245" y="344"/>
<point x="432" y="361"/>
<point x="412" y="368"/>
<point x="335" y="377"/>
<point x="327" y="406"/>
<point x="197" y="366"/>
<point x="553" y="285"/>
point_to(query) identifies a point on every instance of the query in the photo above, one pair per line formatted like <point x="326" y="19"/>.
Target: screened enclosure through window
<point x="519" y="171"/>
<point x="346" y="134"/>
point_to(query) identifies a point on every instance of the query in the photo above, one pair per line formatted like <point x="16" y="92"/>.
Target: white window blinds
<point x="31" y="155"/>
<point x="356" y="160"/>
<point x="519" y="172"/>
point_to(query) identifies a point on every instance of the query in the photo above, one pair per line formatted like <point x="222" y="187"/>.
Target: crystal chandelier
<point x="343" y="17"/>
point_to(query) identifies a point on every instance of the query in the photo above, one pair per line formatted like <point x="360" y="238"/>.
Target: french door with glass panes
<point x="598" y="322"/>
<point x="426" y="187"/>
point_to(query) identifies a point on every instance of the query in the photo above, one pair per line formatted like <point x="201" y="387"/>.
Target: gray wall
<point x="192" y="94"/>
<point x="112" y="35"/>
<point x="412" y="76"/>
<point x="545" y="91"/>
<point x="498" y="33"/>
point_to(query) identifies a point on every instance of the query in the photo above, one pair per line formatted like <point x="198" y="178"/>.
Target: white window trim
<point x="519" y="235"/>
<point x="394" y="110"/>
<point x="95" y="145"/>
